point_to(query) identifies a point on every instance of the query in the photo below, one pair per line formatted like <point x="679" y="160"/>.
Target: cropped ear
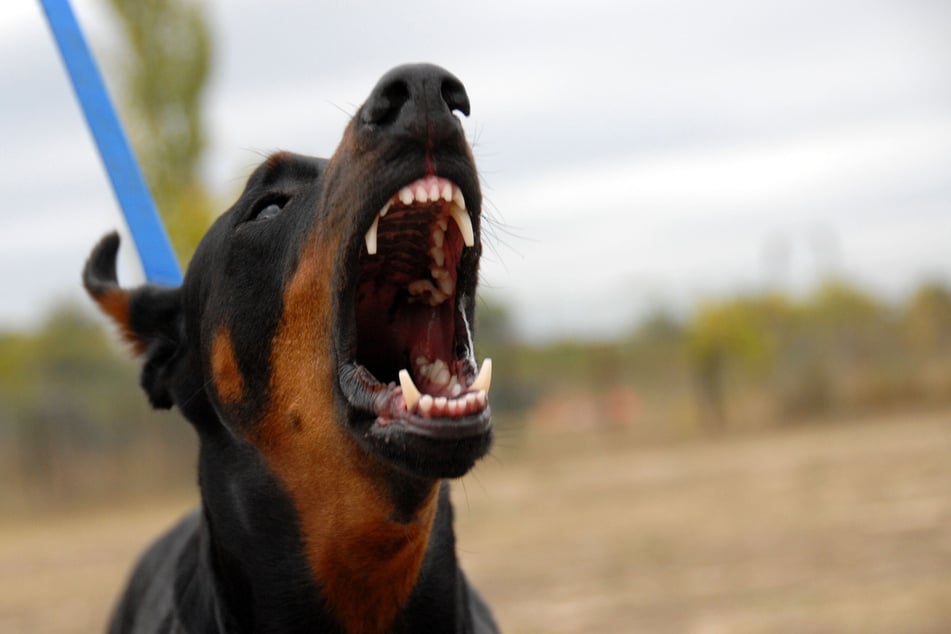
<point x="149" y="317"/>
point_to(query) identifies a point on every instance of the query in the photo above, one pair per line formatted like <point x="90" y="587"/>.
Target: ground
<point x="841" y="527"/>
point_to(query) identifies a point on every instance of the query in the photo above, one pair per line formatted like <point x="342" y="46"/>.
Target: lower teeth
<point x="454" y="405"/>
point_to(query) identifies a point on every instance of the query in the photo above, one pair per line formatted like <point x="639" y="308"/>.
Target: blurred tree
<point x="744" y="332"/>
<point x="845" y="316"/>
<point x="496" y="339"/>
<point x="164" y="76"/>
<point x="927" y="320"/>
<point x="45" y="381"/>
<point x="67" y="403"/>
<point x="838" y="302"/>
<point x="493" y="324"/>
<point x="655" y="350"/>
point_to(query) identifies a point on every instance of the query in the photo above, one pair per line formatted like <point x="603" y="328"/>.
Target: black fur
<point x="237" y="564"/>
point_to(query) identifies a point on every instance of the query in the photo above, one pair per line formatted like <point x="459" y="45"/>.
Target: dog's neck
<point x="270" y="572"/>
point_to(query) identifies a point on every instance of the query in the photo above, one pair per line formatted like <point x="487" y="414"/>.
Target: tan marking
<point x="114" y="302"/>
<point x="277" y="158"/>
<point x="365" y="564"/>
<point x="229" y="382"/>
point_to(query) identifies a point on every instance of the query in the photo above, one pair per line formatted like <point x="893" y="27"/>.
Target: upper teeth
<point x="426" y="190"/>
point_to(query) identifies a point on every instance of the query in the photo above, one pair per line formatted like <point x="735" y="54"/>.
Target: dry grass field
<point x="836" y="528"/>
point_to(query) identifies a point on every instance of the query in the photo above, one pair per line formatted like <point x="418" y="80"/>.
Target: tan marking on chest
<point x="365" y="564"/>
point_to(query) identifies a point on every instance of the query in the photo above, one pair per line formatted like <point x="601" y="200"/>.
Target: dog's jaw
<point x="406" y="368"/>
<point x="411" y="378"/>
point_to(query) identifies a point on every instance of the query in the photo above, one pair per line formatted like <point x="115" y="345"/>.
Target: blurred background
<point x="717" y="293"/>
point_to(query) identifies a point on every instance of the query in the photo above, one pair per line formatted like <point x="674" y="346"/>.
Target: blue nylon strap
<point x="151" y="241"/>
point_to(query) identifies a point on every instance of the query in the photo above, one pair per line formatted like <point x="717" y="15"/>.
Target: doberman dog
<point x="321" y="346"/>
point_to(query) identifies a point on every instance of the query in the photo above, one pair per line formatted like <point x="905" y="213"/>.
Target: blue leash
<point x="151" y="241"/>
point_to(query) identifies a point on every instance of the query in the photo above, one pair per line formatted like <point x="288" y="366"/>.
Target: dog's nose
<point x="417" y="99"/>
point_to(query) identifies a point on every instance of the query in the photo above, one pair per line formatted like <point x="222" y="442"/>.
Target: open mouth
<point x="412" y="364"/>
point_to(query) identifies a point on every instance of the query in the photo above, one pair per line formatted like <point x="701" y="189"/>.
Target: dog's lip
<point x="470" y="426"/>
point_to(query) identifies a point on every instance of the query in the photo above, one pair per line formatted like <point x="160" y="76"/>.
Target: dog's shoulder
<point x="149" y="602"/>
<point x="482" y="620"/>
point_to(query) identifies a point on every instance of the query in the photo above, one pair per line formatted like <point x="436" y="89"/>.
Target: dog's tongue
<point x="427" y="333"/>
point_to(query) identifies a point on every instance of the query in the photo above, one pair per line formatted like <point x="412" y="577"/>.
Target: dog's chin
<point x="408" y="448"/>
<point x="422" y="445"/>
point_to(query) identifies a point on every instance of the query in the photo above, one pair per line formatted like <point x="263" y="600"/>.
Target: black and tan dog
<point x="321" y="346"/>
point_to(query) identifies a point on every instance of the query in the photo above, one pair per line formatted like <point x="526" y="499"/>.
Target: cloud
<point x="702" y="220"/>
<point x="635" y="151"/>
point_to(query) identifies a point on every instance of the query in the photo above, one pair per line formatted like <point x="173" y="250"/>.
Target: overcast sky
<point x="635" y="153"/>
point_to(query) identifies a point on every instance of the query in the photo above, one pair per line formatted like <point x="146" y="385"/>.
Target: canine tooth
<point x="406" y="196"/>
<point x="386" y="208"/>
<point x="457" y="197"/>
<point x="447" y="192"/>
<point x="410" y="391"/>
<point x="439" y="256"/>
<point x="434" y="192"/>
<point x="421" y="195"/>
<point x="461" y="216"/>
<point x="484" y="380"/>
<point x="425" y="404"/>
<point x="370" y="236"/>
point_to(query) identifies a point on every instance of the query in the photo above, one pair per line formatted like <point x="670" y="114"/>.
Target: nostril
<point x="454" y="94"/>
<point x="385" y="106"/>
<point x="416" y="99"/>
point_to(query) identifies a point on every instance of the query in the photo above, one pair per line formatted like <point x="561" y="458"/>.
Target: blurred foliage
<point x="73" y="422"/>
<point x="164" y="73"/>
<point x="495" y="339"/>
<point x="74" y="425"/>
<point x="926" y="321"/>
<point x="744" y="332"/>
<point x="741" y="362"/>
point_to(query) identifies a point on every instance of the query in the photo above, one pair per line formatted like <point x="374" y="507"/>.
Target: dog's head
<point x="332" y="304"/>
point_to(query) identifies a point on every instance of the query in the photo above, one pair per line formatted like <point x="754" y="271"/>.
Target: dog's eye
<point x="269" y="212"/>
<point x="268" y="208"/>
